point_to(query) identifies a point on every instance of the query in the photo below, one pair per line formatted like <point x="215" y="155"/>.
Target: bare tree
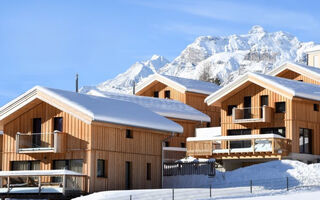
<point x="205" y="75"/>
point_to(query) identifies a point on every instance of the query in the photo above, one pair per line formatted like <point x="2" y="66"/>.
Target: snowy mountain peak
<point x="212" y="57"/>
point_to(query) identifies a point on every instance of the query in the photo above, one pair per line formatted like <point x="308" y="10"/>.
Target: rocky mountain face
<point x="217" y="57"/>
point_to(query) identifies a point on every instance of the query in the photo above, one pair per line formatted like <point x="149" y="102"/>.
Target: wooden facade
<point x="291" y="74"/>
<point x="89" y="142"/>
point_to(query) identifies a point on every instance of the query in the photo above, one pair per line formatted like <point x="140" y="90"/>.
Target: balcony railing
<point x="252" y="114"/>
<point x="251" y="145"/>
<point x="40" y="142"/>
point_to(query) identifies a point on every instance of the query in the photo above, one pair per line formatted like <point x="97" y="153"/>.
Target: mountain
<point x="218" y="57"/>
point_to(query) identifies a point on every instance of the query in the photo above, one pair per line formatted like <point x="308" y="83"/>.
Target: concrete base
<point x="306" y="158"/>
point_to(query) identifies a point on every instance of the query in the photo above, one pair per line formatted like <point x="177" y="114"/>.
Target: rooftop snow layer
<point x="164" y="107"/>
<point x="193" y="85"/>
<point x="105" y="109"/>
<point x="312" y="70"/>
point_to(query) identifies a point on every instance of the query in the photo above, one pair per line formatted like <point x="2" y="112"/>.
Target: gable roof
<point x="309" y="71"/>
<point x="180" y="84"/>
<point x="94" y="108"/>
<point x="313" y="49"/>
<point x="164" y="107"/>
<point x="285" y="87"/>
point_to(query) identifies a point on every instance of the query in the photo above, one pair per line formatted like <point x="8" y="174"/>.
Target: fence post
<point x="130" y="197"/>
<point x="250" y="186"/>
<point x="210" y="191"/>
<point x="287" y="183"/>
<point x="172" y="193"/>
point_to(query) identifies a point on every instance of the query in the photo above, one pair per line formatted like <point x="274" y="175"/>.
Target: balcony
<point x="40" y="142"/>
<point x="242" y="146"/>
<point x="251" y="114"/>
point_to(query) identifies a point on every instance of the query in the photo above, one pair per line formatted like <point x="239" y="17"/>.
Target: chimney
<point x="77" y="83"/>
<point x="134" y="88"/>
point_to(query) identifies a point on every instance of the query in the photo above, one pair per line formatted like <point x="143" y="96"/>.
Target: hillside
<point x="222" y="57"/>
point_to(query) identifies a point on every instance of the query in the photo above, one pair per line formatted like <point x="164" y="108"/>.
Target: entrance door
<point x="36" y="137"/>
<point x="247" y="107"/>
<point x="128" y="175"/>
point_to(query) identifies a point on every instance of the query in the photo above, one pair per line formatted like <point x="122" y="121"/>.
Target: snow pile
<point x="223" y="57"/>
<point x="300" y="174"/>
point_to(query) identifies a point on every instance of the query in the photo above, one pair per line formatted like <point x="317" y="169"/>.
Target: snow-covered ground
<point x="269" y="180"/>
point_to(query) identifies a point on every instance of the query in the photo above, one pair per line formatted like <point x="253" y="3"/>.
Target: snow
<point x="208" y="133"/>
<point x="269" y="182"/>
<point x="32" y="190"/>
<point x="237" y="137"/>
<point x="163" y="107"/>
<point x="315" y="48"/>
<point x="227" y="58"/>
<point x="39" y="173"/>
<point x="301" y="67"/>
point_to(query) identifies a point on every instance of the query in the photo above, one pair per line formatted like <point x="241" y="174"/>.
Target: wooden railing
<point x="41" y="142"/>
<point x="258" y="144"/>
<point x="252" y="114"/>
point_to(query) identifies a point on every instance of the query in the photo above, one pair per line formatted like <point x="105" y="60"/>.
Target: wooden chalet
<point x="110" y="144"/>
<point x="188" y="91"/>
<point x="263" y="117"/>
<point x="188" y="117"/>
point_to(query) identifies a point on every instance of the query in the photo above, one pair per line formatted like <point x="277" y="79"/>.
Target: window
<point x="316" y="107"/>
<point x="315" y="61"/>
<point x="305" y="140"/>
<point x="300" y="80"/>
<point x="247" y="107"/>
<point x="148" y="171"/>
<point x="25" y="165"/>
<point x="101" y="168"/>
<point x="264" y="101"/>
<point x="230" y="108"/>
<point x="36" y="128"/>
<point x="242" y="143"/>
<point x="183" y="145"/>
<point x="280" y="131"/>
<point x="167" y="94"/>
<point x="128" y="175"/>
<point x="156" y="94"/>
<point x="57" y="124"/>
<point x="166" y="144"/>
<point x="280" y="107"/>
<point x="208" y="124"/>
<point x="129" y="133"/>
<point x="73" y="165"/>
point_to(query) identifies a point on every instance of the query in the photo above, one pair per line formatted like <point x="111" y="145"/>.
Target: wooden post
<point x="39" y="184"/>
<point x="210" y="192"/>
<point x="253" y="145"/>
<point x="64" y="181"/>
<point x="229" y="147"/>
<point x="287" y="183"/>
<point x="17" y="142"/>
<point x="250" y="186"/>
<point x="8" y="183"/>
<point x="172" y="193"/>
<point x="273" y="145"/>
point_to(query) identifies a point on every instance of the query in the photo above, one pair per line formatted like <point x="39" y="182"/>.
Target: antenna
<point x="77" y="83"/>
<point x="134" y="88"/>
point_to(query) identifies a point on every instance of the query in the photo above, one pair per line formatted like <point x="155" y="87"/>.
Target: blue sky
<point x="46" y="42"/>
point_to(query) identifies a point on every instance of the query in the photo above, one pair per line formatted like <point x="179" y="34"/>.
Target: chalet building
<point x="313" y="56"/>
<point x="263" y="118"/>
<point x="188" y="91"/>
<point x="188" y="117"/>
<point x="110" y="144"/>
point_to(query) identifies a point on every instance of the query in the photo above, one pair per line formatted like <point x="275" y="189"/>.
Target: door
<point x="36" y="130"/>
<point x="128" y="175"/>
<point x="247" y="107"/>
<point x="264" y="101"/>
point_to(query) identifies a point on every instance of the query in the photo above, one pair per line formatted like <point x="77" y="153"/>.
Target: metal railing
<point x="190" y="168"/>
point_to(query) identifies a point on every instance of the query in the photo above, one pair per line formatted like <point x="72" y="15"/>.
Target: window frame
<point x="129" y="134"/>
<point x="230" y="108"/>
<point x="54" y="124"/>
<point x="104" y="169"/>
<point x="278" y="106"/>
<point x="316" y="107"/>
<point x="167" y="94"/>
<point x="149" y="172"/>
<point x="273" y="129"/>
<point x="156" y="94"/>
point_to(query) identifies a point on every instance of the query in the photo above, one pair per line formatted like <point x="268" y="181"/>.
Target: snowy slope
<point x="223" y="57"/>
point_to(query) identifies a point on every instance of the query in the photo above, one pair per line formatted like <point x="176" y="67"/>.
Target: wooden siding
<point x="299" y="114"/>
<point x="296" y="76"/>
<point x="311" y="56"/>
<point x="90" y="142"/>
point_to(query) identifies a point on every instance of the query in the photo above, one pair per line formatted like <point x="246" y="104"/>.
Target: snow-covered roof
<point x="312" y="49"/>
<point x="285" y="87"/>
<point x="95" y="108"/>
<point x="309" y="71"/>
<point x="56" y="172"/>
<point x="180" y="84"/>
<point x="164" y="107"/>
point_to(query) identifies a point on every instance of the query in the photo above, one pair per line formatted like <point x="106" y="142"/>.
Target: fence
<point x="190" y="168"/>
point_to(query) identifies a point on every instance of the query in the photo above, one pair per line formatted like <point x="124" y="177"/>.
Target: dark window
<point x="316" y="107"/>
<point x="230" y="108"/>
<point x="280" y="131"/>
<point x="280" y="107"/>
<point x="73" y="165"/>
<point x="129" y="133"/>
<point x="208" y="124"/>
<point x="300" y="80"/>
<point x="156" y="94"/>
<point x="101" y="168"/>
<point x="264" y="101"/>
<point x="167" y="94"/>
<point x="247" y="107"/>
<point x="36" y="130"/>
<point x="57" y="124"/>
<point x="166" y="144"/>
<point x="183" y="145"/>
<point x="128" y="175"/>
<point x="25" y="165"/>
<point x="243" y="143"/>
<point x="148" y="171"/>
<point x="305" y="140"/>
